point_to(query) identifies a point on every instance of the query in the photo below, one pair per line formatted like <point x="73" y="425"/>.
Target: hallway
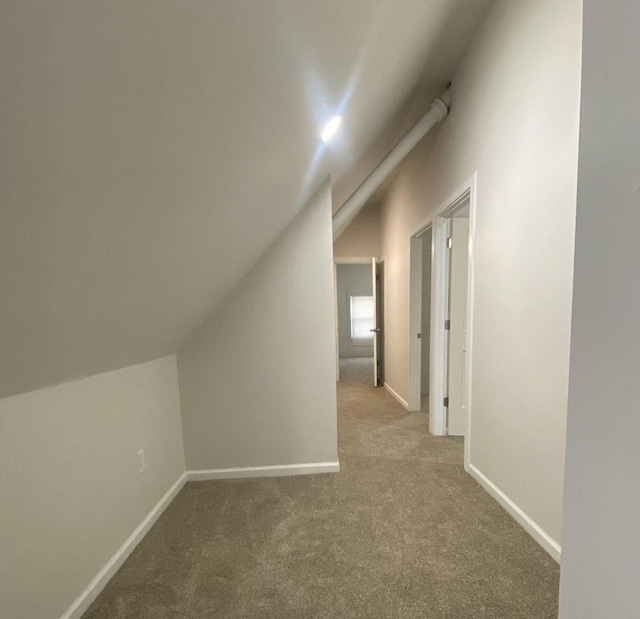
<point x="401" y="532"/>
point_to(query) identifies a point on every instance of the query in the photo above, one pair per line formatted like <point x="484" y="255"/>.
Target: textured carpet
<point x="401" y="532"/>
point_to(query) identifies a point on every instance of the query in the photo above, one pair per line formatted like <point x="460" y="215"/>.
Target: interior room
<point x="307" y="309"/>
<point x="355" y="310"/>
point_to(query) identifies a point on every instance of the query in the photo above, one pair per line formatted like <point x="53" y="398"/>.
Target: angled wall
<point x="257" y="380"/>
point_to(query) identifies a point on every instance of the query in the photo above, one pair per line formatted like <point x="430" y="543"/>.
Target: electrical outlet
<point x="141" y="463"/>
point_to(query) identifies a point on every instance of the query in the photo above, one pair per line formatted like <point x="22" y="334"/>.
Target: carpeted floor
<point x="401" y="532"/>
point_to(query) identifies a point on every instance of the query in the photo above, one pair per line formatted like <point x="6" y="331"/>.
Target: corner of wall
<point x="257" y="380"/>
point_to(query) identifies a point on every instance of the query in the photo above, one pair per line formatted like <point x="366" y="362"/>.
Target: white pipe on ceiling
<point x="438" y="111"/>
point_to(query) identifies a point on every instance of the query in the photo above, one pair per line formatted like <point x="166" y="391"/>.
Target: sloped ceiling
<point x="153" y="149"/>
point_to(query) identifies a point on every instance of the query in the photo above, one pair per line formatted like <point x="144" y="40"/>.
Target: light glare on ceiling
<point x="330" y="128"/>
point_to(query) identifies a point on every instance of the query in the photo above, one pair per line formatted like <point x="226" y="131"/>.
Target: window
<point x="361" y="321"/>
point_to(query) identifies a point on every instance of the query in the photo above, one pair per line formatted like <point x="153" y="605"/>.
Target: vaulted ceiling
<point x="153" y="149"/>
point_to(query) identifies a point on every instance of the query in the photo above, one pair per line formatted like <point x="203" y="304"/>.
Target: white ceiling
<point x="153" y="149"/>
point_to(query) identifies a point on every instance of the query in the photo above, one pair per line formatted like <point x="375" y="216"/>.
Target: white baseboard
<point x="84" y="600"/>
<point x="397" y="396"/>
<point x="531" y="527"/>
<point x="93" y="589"/>
<point x="278" y="470"/>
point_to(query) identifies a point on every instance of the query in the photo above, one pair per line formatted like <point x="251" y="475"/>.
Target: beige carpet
<point x="401" y="532"/>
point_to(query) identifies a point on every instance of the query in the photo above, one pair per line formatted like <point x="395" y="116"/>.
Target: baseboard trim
<point x="84" y="600"/>
<point x="529" y="525"/>
<point x="397" y="396"/>
<point x="278" y="470"/>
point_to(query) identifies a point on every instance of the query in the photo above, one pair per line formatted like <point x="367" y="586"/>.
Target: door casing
<point x="439" y="220"/>
<point x="369" y="260"/>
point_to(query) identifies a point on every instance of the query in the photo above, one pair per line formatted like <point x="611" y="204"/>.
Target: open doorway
<point x="442" y="298"/>
<point x="359" y="307"/>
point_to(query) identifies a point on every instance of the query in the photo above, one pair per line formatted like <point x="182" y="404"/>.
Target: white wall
<point x="514" y="119"/>
<point x="362" y="238"/>
<point x="257" y="380"/>
<point x="71" y="492"/>
<point x="353" y="280"/>
<point x="600" y="575"/>
<point x="127" y="211"/>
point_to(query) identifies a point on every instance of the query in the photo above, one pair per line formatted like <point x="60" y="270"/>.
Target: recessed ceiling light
<point x="330" y="128"/>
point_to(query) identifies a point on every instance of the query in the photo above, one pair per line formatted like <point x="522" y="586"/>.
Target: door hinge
<point x="445" y="402"/>
<point x="450" y="242"/>
<point x="419" y="336"/>
<point x="447" y="325"/>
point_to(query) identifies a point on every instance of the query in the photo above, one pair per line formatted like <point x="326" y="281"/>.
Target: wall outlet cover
<point x="141" y="462"/>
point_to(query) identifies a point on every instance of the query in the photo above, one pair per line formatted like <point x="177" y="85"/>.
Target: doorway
<point x="359" y="314"/>
<point x="441" y="294"/>
<point x="425" y="321"/>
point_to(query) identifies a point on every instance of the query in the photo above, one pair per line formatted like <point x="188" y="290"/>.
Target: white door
<point x="375" y="330"/>
<point x="457" y="410"/>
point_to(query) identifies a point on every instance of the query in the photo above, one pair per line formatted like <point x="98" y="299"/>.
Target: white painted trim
<point x="85" y="599"/>
<point x="366" y="260"/>
<point x="529" y="525"/>
<point x="397" y="396"/>
<point x="438" y="386"/>
<point x="439" y="309"/>
<point x="376" y="322"/>
<point x="438" y="220"/>
<point x="471" y="295"/>
<point x="94" y="588"/>
<point x="278" y="470"/>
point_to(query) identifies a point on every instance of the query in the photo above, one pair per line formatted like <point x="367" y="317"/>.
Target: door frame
<point x="336" y="261"/>
<point x="438" y="221"/>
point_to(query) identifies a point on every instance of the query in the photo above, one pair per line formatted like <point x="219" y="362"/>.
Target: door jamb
<point x="415" y="316"/>
<point x="438" y="221"/>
